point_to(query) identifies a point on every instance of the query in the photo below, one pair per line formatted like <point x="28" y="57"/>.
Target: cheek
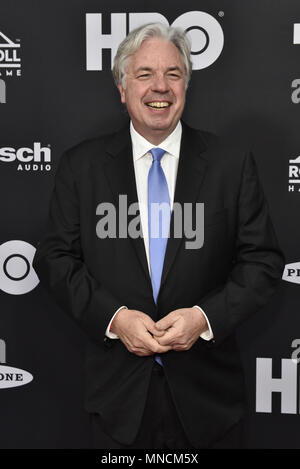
<point x="134" y="98"/>
<point x="180" y="95"/>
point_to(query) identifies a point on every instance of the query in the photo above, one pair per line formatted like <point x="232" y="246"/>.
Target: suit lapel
<point x="121" y="177"/>
<point x="190" y="175"/>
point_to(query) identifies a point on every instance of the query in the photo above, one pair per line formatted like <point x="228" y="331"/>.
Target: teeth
<point x="158" y="104"/>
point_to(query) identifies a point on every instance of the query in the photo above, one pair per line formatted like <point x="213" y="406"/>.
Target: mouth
<point x="158" y="105"/>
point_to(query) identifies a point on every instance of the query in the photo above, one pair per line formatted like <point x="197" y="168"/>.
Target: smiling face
<point x="155" y="89"/>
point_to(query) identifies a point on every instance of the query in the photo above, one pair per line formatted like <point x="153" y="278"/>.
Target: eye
<point x="144" y="75"/>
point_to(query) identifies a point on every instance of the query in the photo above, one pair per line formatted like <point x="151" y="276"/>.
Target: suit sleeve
<point x="258" y="264"/>
<point x="60" y="265"/>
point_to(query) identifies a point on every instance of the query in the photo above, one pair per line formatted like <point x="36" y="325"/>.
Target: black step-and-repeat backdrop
<point x="56" y="89"/>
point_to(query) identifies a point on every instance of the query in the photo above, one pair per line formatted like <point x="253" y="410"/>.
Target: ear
<point x="122" y="93"/>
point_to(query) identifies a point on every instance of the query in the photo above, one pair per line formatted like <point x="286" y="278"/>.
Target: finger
<point x="142" y="352"/>
<point x="181" y="348"/>
<point x="169" y="338"/>
<point x="150" y="325"/>
<point x="136" y="339"/>
<point x="163" y="349"/>
<point x="165" y="323"/>
<point x="158" y="333"/>
<point x="155" y="349"/>
<point x="152" y="344"/>
<point x="138" y="348"/>
<point x="158" y="337"/>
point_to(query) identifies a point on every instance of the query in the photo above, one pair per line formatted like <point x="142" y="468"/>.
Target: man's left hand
<point x="182" y="328"/>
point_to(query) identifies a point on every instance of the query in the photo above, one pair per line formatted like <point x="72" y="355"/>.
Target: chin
<point x="160" y="125"/>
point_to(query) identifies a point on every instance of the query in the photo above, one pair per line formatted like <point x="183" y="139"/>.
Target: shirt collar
<point x="141" y="146"/>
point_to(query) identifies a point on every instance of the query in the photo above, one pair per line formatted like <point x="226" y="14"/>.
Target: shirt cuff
<point x="206" y="335"/>
<point x="109" y="334"/>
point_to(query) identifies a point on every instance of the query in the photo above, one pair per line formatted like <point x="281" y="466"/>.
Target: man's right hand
<point x="135" y="330"/>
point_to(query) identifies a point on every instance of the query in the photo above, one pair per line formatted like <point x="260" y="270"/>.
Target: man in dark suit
<point x="163" y="368"/>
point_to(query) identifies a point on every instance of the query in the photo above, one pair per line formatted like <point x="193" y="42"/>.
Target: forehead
<point x="156" y="53"/>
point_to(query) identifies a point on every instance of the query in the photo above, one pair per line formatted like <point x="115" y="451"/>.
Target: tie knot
<point x="157" y="154"/>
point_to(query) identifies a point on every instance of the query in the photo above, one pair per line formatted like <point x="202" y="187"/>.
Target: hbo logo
<point x="204" y="31"/>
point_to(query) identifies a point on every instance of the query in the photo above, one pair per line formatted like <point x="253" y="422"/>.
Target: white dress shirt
<point x="142" y="160"/>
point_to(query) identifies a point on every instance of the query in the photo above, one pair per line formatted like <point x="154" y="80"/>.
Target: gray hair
<point x="134" y="40"/>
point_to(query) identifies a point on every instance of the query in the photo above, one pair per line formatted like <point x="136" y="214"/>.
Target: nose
<point x="160" y="83"/>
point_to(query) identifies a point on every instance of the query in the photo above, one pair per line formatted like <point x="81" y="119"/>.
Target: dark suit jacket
<point x="231" y="277"/>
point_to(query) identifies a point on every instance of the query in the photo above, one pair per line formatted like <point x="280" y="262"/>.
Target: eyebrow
<point x="143" y="69"/>
<point x="149" y="69"/>
<point x="173" y="69"/>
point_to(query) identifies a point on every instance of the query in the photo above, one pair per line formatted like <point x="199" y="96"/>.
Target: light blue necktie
<point x="158" y="221"/>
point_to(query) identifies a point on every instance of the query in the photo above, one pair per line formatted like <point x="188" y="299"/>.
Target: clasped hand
<point x="142" y="336"/>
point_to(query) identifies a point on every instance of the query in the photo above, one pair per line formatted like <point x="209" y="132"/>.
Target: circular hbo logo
<point x="17" y="275"/>
<point x="206" y="36"/>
